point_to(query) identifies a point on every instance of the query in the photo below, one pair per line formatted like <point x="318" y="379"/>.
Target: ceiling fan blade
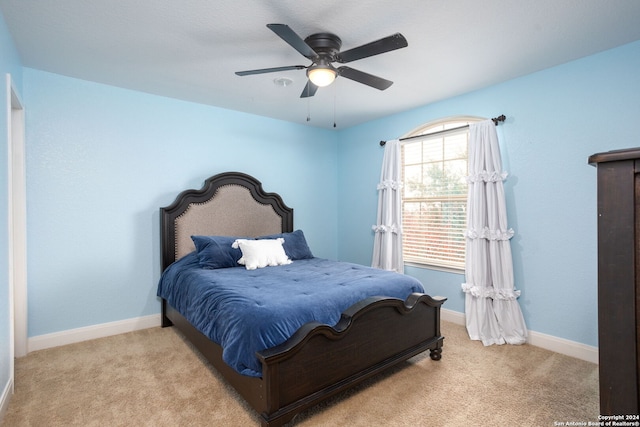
<point x="270" y="70"/>
<point x="288" y="35"/>
<point x="364" y="78"/>
<point x="393" y="42"/>
<point x="309" y="90"/>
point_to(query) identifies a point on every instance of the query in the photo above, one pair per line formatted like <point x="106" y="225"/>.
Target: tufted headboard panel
<point x="228" y="204"/>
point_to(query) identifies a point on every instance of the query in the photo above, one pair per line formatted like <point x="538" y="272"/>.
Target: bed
<point x="316" y="360"/>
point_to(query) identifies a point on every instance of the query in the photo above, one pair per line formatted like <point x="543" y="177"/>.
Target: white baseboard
<point x="41" y="342"/>
<point x="563" y="346"/>
<point x="548" y="342"/>
<point x="5" y="398"/>
<point x="71" y="336"/>
<point x="452" y="316"/>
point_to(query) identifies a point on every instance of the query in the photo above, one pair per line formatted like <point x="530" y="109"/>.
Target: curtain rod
<point x="500" y="118"/>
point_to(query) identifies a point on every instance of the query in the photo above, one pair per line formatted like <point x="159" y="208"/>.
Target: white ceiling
<point x="190" y="49"/>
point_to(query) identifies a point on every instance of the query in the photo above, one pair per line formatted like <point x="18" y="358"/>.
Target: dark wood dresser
<point x="618" y="279"/>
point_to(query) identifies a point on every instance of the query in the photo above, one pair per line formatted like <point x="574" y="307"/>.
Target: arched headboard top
<point x="228" y="204"/>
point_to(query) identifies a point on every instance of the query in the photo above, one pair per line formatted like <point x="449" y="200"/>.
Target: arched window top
<point x="443" y="124"/>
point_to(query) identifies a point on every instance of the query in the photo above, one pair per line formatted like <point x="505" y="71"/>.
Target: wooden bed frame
<point x="318" y="361"/>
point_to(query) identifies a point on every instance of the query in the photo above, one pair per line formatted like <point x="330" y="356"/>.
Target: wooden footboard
<point x="320" y="361"/>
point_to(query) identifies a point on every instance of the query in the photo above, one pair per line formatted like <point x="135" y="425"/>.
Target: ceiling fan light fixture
<point x="321" y="76"/>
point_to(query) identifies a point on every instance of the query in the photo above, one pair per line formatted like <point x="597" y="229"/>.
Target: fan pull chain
<point x="308" y="109"/>
<point x="334" y="106"/>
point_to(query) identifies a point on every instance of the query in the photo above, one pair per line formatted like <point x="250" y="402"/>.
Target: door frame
<point x="17" y="221"/>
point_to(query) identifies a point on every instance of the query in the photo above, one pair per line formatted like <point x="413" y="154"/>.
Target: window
<point x="434" y="197"/>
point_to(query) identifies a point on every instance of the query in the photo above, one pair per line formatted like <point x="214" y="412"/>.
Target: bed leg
<point x="164" y="320"/>
<point x="436" y="353"/>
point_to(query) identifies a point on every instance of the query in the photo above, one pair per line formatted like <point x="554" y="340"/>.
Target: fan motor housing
<point x="324" y="43"/>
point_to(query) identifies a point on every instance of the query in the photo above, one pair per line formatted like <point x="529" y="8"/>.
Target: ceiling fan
<point x="323" y="49"/>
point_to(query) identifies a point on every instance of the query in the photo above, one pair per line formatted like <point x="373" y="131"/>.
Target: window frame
<point x="443" y="124"/>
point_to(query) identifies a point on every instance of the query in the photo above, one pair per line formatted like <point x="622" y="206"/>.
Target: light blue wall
<point x="9" y="64"/>
<point x="101" y="161"/>
<point x="556" y="119"/>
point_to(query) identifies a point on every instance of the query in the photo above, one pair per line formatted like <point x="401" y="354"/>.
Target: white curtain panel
<point x="493" y="314"/>
<point x="387" y="244"/>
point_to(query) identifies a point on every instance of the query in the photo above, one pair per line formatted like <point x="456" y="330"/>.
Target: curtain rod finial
<point x="500" y="118"/>
<point x="382" y="143"/>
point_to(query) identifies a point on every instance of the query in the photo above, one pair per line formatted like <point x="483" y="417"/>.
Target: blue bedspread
<point x="246" y="311"/>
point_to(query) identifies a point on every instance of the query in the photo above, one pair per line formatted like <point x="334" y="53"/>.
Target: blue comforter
<point x="246" y="311"/>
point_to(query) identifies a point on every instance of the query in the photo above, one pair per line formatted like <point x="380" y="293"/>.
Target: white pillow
<point x="261" y="253"/>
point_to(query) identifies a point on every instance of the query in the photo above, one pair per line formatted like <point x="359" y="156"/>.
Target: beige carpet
<point x="154" y="378"/>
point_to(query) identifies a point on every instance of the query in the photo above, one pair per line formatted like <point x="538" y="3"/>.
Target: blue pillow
<point x="216" y="251"/>
<point x="295" y="244"/>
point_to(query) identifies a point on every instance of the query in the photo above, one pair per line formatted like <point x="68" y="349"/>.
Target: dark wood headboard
<point x="228" y="204"/>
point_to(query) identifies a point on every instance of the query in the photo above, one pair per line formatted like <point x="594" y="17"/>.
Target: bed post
<point x="164" y="320"/>
<point x="436" y="352"/>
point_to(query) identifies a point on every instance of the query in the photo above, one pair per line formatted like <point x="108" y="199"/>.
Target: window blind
<point x="435" y="198"/>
